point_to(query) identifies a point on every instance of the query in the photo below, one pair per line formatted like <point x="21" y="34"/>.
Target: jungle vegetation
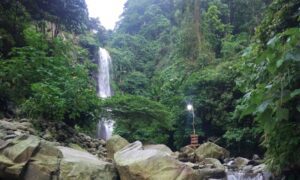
<point x="236" y="61"/>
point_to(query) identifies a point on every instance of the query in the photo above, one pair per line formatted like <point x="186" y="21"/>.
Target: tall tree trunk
<point x="197" y="19"/>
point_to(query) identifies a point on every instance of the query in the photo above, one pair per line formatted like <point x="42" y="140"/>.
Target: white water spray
<point x="104" y="62"/>
<point x="105" y="126"/>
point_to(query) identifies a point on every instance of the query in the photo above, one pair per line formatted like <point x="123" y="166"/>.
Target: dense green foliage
<point x="140" y="118"/>
<point x="272" y="84"/>
<point x="274" y="100"/>
<point x="46" y="75"/>
<point x="237" y="61"/>
<point x="176" y="53"/>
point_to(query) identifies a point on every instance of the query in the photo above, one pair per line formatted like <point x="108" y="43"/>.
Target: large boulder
<point x="30" y="158"/>
<point x="213" y="170"/>
<point x="135" y="163"/>
<point x="210" y="168"/>
<point x="45" y="164"/>
<point x="187" y="154"/>
<point x="15" y="154"/>
<point x="159" y="147"/>
<point x="21" y="148"/>
<point x="241" y="162"/>
<point x="84" y="166"/>
<point x="259" y="168"/>
<point x="114" y="144"/>
<point x="7" y="125"/>
<point x="209" y="173"/>
<point x="214" y="162"/>
<point x="211" y="150"/>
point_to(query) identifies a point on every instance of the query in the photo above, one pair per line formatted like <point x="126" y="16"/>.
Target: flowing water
<point x="236" y="175"/>
<point x="244" y="176"/>
<point x="104" y="62"/>
<point x="105" y="126"/>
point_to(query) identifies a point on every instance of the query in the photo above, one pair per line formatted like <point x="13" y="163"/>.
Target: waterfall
<point x="105" y="126"/>
<point x="104" y="62"/>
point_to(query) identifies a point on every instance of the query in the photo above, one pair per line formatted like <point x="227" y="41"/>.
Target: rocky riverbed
<point x="54" y="152"/>
<point x="208" y="161"/>
<point x="56" y="132"/>
<point x="57" y="151"/>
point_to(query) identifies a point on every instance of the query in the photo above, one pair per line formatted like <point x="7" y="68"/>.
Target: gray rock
<point x="192" y="165"/>
<point x="47" y="135"/>
<point x="260" y="168"/>
<point x="187" y="153"/>
<point x="241" y="162"/>
<point x="101" y="148"/>
<point x="102" y="142"/>
<point x="207" y="173"/>
<point x="175" y="154"/>
<point x="92" y="145"/>
<point x="3" y="144"/>
<point x="93" y="150"/>
<point x="135" y="163"/>
<point x="88" y="138"/>
<point x="43" y="159"/>
<point x="24" y="120"/>
<point x="187" y="150"/>
<point x="45" y="165"/>
<point x="16" y="154"/>
<point x="18" y="133"/>
<point x="215" y="162"/>
<point x="248" y="169"/>
<point x="76" y="146"/>
<point x="31" y="131"/>
<point x="255" y="157"/>
<point x="211" y="150"/>
<point x="84" y="166"/>
<point x="11" y="136"/>
<point x="21" y="148"/>
<point x="159" y="147"/>
<point x="2" y="134"/>
<point x="10" y="132"/>
<point x="7" y="125"/>
<point x="114" y="144"/>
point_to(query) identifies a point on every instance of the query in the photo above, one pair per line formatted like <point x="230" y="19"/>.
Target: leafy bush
<point x="135" y="83"/>
<point x="273" y="96"/>
<point x="50" y="80"/>
<point x="138" y="118"/>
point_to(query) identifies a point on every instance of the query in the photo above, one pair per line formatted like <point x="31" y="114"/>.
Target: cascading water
<point x="105" y="126"/>
<point x="104" y="62"/>
<point x="244" y="176"/>
<point x="247" y="173"/>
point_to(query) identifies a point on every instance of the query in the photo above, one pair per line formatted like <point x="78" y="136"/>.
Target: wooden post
<point x="194" y="140"/>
